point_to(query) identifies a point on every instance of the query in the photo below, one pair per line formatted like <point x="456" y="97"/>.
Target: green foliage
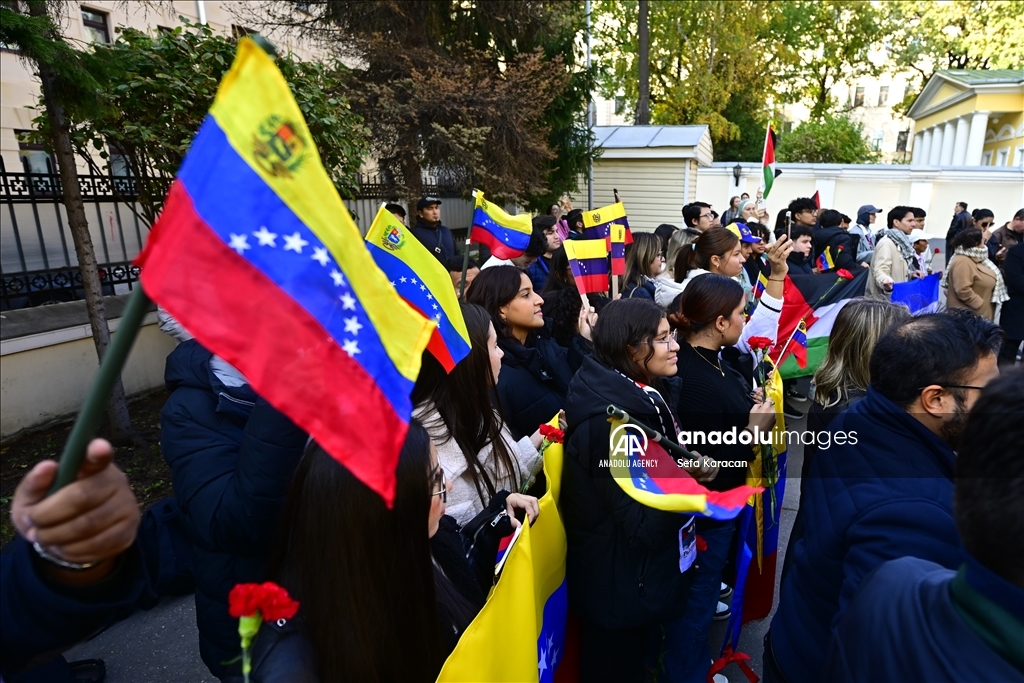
<point x="155" y="91"/>
<point x="832" y="139"/>
<point x="957" y="34"/>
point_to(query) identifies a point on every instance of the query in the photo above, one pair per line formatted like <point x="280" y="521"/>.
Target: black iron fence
<point x="38" y="264"/>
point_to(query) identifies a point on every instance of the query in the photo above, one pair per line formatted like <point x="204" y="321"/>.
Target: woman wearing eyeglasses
<point x="385" y="593"/>
<point x="972" y="280"/>
<point x="474" y="445"/>
<point x="623" y="564"/>
<point x="715" y="397"/>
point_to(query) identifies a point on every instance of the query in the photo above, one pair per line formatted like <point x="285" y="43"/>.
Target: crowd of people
<point x="906" y="557"/>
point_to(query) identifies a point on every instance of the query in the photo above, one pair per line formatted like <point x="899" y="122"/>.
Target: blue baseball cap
<point x="743" y="232"/>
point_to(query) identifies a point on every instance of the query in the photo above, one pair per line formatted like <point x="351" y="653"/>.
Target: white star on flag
<point x="403" y="279"/>
<point x="320" y="254"/>
<point x="339" y="279"/>
<point x="430" y="297"/>
<point x="413" y="280"/>
<point x="294" y="243"/>
<point x="348" y="302"/>
<point x="352" y="325"/>
<point x="239" y="242"/>
<point x="265" y="237"/>
<point x="423" y="288"/>
<point x="435" y="306"/>
<point x="350" y="346"/>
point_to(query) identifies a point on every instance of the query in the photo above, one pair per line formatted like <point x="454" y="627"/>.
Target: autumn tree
<point x="830" y="139"/>
<point x="481" y="94"/>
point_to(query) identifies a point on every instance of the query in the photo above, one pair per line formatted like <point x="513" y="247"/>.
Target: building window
<point x="883" y="96"/>
<point x="94" y="24"/>
<point x="1003" y="157"/>
<point x="34" y="158"/>
<point x="986" y="158"/>
<point x="901" y="140"/>
<point x="117" y="163"/>
<point x="1020" y="157"/>
<point x="858" y="98"/>
<point x="876" y="141"/>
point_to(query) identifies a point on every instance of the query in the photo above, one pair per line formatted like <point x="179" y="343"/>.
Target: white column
<point x="949" y="132"/>
<point x="916" y="152"/>
<point x="926" y="145"/>
<point x="963" y="129"/>
<point x="936" y="151"/>
<point x="976" y="140"/>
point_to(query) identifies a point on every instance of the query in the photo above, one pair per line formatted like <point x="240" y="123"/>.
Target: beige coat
<point x="971" y="286"/>
<point x="887" y="265"/>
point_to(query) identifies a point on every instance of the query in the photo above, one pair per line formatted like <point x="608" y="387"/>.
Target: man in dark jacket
<point x="430" y="232"/>
<point x="232" y="457"/>
<point x="799" y="259"/>
<point x="836" y="240"/>
<point x="1006" y="237"/>
<point x="886" y="492"/>
<point x="962" y="220"/>
<point x="914" y="620"/>
<point x="1011" y="318"/>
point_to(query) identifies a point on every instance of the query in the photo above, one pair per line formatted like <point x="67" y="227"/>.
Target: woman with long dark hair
<point x="716" y="250"/>
<point x="645" y="259"/>
<point x="535" y="370"/>
<point x="479" y="456"/>
<point x="371" y="579"/>
<point x="713" y="398"/>
<point x="623" y="563"/>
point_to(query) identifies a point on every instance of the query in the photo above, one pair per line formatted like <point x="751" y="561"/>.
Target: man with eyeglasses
<point x="882" y="487"/>
<point x="698" y="216"/>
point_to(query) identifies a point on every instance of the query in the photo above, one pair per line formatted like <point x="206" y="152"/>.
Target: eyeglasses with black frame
<point x="952" y="386"/>
<point x="439" y="478"/>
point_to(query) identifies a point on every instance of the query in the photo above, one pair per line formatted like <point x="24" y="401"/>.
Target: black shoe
<point x="791" y="412"/>
<point x="722" y="612"/>
<point x="725" y="591"/>
<point x="794" y="393"/>
<point x="89" y="670"/>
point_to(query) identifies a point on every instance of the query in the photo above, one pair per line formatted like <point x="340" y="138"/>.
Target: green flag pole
<point x="99" y="393"/>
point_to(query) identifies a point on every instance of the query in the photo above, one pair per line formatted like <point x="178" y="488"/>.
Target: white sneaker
<point x="724" y="591"/>
<point x="720" y="678"/>
<point x="723" y="611"/>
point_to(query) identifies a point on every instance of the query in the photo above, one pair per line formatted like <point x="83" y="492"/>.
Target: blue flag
<point x="920" y="296"/>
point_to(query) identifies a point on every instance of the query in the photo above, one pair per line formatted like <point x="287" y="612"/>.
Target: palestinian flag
<point x="814" y="300"/>
<point x="768" y="169"/>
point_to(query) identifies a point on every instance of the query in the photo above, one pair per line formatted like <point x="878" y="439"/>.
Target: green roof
<point x="984" y="76"/>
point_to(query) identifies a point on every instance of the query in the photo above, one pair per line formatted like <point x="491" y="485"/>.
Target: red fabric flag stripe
<point x="288" y="357"/>
<point x="497" y="248"/>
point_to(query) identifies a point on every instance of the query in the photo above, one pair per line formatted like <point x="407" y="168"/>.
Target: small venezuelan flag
<point x="597" y="223"/>
<point x="507" y="236"/>
<point x="618" y="249"/>
<point x="825" y="262"/>
<point x="800" y="335"/>
<point x="653" y="479"/>
<point x="588" y="260"/>
<point x="760" y="285"/>
<point x="422" y="281"/>
<point x="256" y="255"/>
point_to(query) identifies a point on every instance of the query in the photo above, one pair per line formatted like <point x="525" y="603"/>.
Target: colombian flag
<point x="422" y="281"/>
<point x="597" y="223"/>
<point x="507" y="236"/>
<point x="588" y="260"/>
<point x="256" y="255"/>
<point x="519" y="635"/>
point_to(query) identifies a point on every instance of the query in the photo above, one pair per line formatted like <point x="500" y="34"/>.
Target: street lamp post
<point x="737" y="171"/>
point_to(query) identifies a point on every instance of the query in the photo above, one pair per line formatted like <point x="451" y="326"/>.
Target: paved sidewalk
<point x="162" y="646"/>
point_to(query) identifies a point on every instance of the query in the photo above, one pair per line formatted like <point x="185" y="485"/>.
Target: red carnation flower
<point x="269" y="599"/>
<point x="845" y="274"/>
<point x="759" y="343"/>
<point x="937" y="250"/>
<point x="552" y="434"/>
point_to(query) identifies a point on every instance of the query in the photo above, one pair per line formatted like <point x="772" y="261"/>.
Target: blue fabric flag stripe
<point x="551" y="642"/>
<point x="603" y="230"/>
<point x="514" y="239"/>
<point x="408" y="285"/>
<point x="252" y="219"/>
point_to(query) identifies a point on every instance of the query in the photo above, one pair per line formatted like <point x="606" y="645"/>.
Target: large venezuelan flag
<point x="597" y="223"/>
<point x="256" y="255"/>
<point x="507" y="236"/>
<point x="519" y="635"/>
<point x="657" y="482"/>
<point x="588" y="260"/>
<point x="422" y="281"/>
<point x="758" y="546"/>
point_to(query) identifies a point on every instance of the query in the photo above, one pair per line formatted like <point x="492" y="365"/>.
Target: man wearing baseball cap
<point x="861" y="234"/>
<point x="428" y="229"/>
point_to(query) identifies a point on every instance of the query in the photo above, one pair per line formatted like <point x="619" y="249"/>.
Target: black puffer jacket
<point x="534" y="379"/>
<point x="842" y="248"/>
<point x="622" y="567"/>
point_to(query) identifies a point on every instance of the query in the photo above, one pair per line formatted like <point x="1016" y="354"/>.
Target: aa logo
<point x="627" y="441"/>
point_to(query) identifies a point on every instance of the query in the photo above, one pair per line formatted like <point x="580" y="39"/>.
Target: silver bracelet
<point x="60" y="562"/>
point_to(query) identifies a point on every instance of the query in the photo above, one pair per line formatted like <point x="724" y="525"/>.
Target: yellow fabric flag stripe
<point x="586" y="249"/>
<point x="522" y="222"/>
<point x="253" y="102"/>
<point x="603" y="215"/>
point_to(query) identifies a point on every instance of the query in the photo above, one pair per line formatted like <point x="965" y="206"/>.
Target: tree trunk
<point x="121" y="431"/>
<point x="643" y="105"/>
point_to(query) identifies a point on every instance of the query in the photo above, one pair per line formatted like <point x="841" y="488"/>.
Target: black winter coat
<point x="232" y="457"/>
<point x="622" y="567"/>
<point x="534" y="380"/>
<point x="1011" y="319"/>
<point x="436" y="238"/>
<point x="842" y="248"/>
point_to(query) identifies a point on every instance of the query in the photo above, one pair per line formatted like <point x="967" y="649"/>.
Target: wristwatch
<point x="60" y="562"/>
